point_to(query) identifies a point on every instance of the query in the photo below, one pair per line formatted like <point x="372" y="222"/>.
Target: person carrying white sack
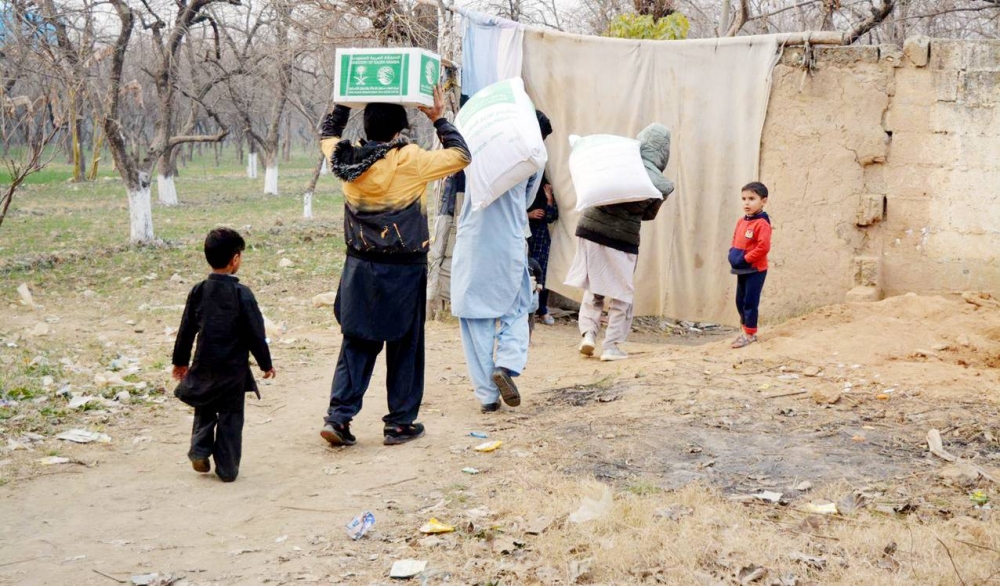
<point x="492" y="291"/>
<point x="607" y="249"/>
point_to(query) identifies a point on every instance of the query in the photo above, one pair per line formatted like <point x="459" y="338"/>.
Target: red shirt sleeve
<point x="758" y="252"/>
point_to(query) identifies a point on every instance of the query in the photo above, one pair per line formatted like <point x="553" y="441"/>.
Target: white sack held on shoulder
<point x="501" y="129"/>
<point x="608" y="169"/>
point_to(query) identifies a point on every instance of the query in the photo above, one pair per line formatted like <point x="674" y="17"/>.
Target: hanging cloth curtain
<point x="712" y="94"/>
<point x="492" y="50"/>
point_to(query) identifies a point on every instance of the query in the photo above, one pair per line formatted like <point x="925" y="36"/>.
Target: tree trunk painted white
<point x="271" y="180"/>
<point x="140" y="211"/>
<point x="252" y="166"/>
<point x="166" y="190"/>
<point x="325" y="169"/>
<point x="307" y="205"/>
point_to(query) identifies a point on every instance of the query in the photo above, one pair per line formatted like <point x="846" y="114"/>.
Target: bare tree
<point x="30" y="117"/>
<point x="544" y="13"/>
<point x="201" y="84"/>
<point x="135" y="170"/>
<point x="260" y="80"/>
<point x="72" y="60"/>
<point x="860" y="21"/>
<point x="311" y="102"/>
<point x="167" y="44"/>
<point x="283" y="80"/>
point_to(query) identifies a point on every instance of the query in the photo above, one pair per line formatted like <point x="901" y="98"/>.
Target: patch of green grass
<point x="643" y="487"/>
<point x="45" y="368"/>
<point x="69" y="243"/>
<point x="51" y="215"/>
<point x="52" y="412"/>
<point x="21" y="393"/>
<point x="56" y="170"/>
<point x="604" y="383"/>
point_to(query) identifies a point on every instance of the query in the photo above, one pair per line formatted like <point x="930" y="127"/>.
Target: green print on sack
<point x="500" y="93"/>
<point x="374" y="75"/>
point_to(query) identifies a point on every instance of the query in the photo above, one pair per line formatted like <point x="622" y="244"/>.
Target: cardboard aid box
<point x="393" y="76"/>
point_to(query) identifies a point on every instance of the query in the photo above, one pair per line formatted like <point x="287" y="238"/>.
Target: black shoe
<point x="491" y="408"/>
<point x="202" y="465"/>
<point x="338" y="434"/>
<point x="508" y="390"/>
<point x="400" y="434"/>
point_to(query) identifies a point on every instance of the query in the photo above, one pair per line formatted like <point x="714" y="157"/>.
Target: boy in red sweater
<point x="748" y="258"/>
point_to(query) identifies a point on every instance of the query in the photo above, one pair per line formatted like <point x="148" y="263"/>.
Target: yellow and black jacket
<point x="385" y="185"/>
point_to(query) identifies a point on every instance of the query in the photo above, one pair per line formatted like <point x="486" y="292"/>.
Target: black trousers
<point x="219" y="434"/>
<point x="748" y="289"/>
<point x="404" y="378"/>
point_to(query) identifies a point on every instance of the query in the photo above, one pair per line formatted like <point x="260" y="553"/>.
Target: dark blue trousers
<point x="748" y="289"/>
<point x="404" y="382"/>
<point x="380" y="305"/>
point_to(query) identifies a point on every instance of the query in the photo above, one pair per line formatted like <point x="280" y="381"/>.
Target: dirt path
<point x="670" y="416"/>
<point x="141" y="509"/>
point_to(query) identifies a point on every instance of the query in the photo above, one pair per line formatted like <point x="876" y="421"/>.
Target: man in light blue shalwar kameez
<point x="491" y="292"/>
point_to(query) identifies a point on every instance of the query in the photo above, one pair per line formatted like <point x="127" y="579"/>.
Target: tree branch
<point x="785" y="9"/>
<point x="878" y="14"/>
<point x="199" y="99"/>
<point x="178" y="140"/>
<point x="742" y="15"/>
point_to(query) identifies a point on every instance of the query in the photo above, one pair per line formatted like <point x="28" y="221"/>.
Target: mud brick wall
<point x="884" y="165"/>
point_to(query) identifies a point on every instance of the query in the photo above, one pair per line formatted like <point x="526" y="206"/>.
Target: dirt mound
<point x="962" y="330"/>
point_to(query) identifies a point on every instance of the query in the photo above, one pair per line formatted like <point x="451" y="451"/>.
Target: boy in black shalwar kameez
<point x="225" y="317"/>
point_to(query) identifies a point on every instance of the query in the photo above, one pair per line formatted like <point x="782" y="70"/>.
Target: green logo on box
<point x="382" y="74"/>
<point x="430" y="72"/>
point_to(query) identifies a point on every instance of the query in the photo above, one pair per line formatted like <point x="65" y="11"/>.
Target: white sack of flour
<point x="608" y="169"/>
<point x="501" y="129"/>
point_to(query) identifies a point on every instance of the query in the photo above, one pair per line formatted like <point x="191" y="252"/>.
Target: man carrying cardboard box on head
<point x="382" y="293"/>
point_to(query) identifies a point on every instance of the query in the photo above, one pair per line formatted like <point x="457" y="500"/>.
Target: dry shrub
<point x="718" y="537"/>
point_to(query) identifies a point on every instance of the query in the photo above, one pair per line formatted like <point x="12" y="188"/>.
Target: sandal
<point x="743" y="341"/>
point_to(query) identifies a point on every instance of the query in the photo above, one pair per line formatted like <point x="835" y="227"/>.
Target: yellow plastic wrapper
<point x="826" y="508"/>
<point x="488" y="446"/>
<point x="435" y="526"/>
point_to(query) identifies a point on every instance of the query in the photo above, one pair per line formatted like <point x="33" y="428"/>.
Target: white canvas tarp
<point x="713" y="96"/>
